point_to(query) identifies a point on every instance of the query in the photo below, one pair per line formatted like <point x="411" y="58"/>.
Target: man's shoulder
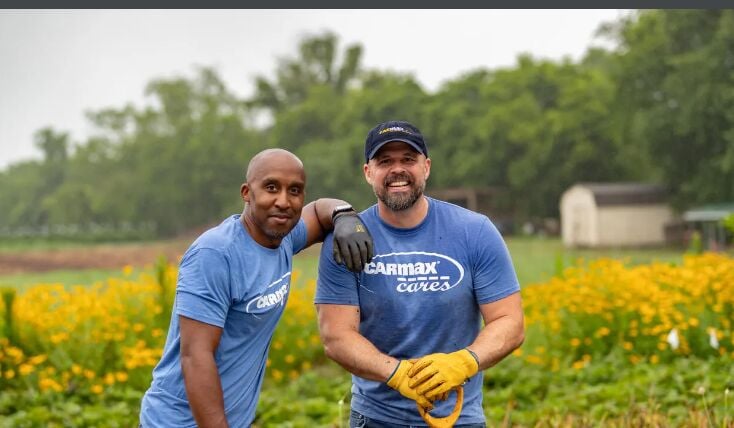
<point x="220" y="237"/>
<point x="465" y="215"/>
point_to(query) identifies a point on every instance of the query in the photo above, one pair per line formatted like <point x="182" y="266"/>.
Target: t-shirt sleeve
<point x="335" y="284"/>
<point x="299" y="236"/>
<point x="203" y="288"/>
<point x="494" y="275"/>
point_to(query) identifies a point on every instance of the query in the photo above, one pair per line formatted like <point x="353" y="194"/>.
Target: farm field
<point x="81" y="344"/>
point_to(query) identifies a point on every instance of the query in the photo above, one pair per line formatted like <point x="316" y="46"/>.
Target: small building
<point x="490" y="201"/>
<point x="614" y="215"/>
<point x="708" y="220"/>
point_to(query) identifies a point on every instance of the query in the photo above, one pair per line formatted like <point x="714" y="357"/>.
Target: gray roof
<point x="627" y="193"/>
<point x="713" y="212"/>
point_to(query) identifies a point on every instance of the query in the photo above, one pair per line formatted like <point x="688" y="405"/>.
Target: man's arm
<point x="435" y="374"/>
<point x="353" y="241"/>
<point x="339" y="328"/>
<point x="317" y="216"/>
<point x="199" y="342"/>
<point x="503" y="332"/>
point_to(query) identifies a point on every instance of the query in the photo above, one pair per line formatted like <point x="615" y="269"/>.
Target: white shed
<point x="614" y="215"/>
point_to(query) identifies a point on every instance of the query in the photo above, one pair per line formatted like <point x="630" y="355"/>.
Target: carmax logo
<point x="271" y="297"/>
<point x="416" y="271"/>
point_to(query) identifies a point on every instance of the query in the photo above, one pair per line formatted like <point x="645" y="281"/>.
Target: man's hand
<point x="352" y="242"/>
<point x="399" y="381"/>
<point x="434" y="375"/>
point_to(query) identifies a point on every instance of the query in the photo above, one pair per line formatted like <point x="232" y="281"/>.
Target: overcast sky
<point x="55" y="65"/>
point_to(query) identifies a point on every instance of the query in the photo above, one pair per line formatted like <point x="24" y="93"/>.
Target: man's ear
<point x="245" y="192"/>
<point x="367" y="174"/>
<point x="427" y="169"/>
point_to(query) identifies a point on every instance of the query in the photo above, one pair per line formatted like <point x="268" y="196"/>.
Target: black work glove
<point x="352" y="242"/>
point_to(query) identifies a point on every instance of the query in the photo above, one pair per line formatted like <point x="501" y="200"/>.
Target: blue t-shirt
<point x="228" y="280"/>
<point x="420" y="295"/>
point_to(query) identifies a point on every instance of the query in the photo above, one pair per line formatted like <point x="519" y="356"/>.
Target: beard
<point x="274" y="234"/>
<point x="403" y="200"/>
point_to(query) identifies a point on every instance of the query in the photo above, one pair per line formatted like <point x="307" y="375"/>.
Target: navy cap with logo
<point x="394" y="130"/>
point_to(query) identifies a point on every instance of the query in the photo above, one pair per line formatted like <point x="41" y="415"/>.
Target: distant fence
<point x="90" y="231"/>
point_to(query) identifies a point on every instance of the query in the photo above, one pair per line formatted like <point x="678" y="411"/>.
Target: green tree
<point x="316" y="65"/>
<point x="676" y="80"/>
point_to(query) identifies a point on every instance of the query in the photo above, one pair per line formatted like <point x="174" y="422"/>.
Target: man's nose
<point x="397" y="169"/>
<point x="281" y="201"/>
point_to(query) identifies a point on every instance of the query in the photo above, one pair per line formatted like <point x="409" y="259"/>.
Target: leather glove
<point x="399" y="381"/>
<point x="435" y="374"/>
<point x="352" y="242"/>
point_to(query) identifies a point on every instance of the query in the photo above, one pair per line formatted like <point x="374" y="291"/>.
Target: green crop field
<point x="596" y="362"/>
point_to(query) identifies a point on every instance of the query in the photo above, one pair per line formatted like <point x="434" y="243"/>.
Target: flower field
<point x="606" y="344"/>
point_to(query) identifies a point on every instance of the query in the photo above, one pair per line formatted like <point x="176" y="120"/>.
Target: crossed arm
<point x="339" y="326"/>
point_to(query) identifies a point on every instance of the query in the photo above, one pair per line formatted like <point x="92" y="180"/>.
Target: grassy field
<point x="67" y="278"/>
<point x="535" y="259"/>
<point x="538" y="259"/>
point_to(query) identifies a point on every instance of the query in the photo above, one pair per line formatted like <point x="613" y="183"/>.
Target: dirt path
<point x="92" y="257"/>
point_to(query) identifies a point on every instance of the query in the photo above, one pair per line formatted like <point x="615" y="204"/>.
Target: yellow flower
<point x="9" y="374"/>
<point x="59" y="337"/>
<point x="25" y="369"/>
<point x="534" y="359"/>
<point x="575" y="342"/>
<point x="603" y="331"/>
<point x="109" y="379"/>
<point x="97" y="388"/>
<point x="628" y="346"/>
<point x="121" y="376"/>
<point x="38" y="359"/>
<point x="289" y="359"/>
<point x="76" y="369"/>
<point x="578" y="365"/>
<point x="277" y="374"/>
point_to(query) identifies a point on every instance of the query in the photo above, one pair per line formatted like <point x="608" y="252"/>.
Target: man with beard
<point x="408" y="327"/>
<point x="232" y="288"/>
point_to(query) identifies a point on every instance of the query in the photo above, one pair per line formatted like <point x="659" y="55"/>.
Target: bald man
<point x="232" y="287"/>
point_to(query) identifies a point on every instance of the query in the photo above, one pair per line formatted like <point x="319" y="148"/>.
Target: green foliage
<point x="695" y="246"/>
<point x="658" y="107"/>
<point x="676" y="98"/>
<point x="729" y="223"/>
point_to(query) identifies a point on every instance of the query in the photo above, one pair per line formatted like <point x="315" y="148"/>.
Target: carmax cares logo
<point x="416" y="271"/>
<point x="271" y="297"/>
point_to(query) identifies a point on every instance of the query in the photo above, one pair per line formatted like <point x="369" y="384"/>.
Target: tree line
<point x="658" y="107"/>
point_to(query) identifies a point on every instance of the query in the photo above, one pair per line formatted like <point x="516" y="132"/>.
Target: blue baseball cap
<point x="394" y="130"/>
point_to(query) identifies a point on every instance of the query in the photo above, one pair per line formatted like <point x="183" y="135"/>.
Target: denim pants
<point x="358" y="420"/>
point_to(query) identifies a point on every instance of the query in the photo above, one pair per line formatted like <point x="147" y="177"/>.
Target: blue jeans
<point x="358" y="420"/>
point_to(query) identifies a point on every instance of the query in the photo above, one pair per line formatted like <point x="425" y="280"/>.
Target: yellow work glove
<point x="399" y="381"/>
<point x="434" y="375"/>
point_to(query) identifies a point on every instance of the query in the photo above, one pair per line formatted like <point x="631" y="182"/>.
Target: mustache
<point x="398" y="177"/>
